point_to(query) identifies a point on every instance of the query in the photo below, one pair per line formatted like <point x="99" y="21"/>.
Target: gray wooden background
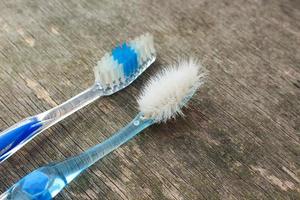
<point x="240" y="136"/>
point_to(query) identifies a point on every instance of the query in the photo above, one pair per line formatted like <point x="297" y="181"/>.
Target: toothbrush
<point x="113" y="72"/>
<point x="162" y="99"/>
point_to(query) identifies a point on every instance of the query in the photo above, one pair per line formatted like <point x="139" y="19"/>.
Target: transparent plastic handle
<point x="46" y="182"/>
<point x="15" y="137"/>
<point x="73" y="166"/>
<point x="4" y="196"/>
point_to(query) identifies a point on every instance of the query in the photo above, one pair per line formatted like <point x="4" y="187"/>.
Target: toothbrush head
<point x="124" y="64"/>
<point x="169" y="91"/>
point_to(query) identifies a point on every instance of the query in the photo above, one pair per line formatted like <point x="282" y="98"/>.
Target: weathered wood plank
<point x="240" y="136"/>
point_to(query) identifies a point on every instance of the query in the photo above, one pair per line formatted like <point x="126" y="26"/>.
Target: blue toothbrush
<point x="113" y="72"/>
<point x="161" y="100"/>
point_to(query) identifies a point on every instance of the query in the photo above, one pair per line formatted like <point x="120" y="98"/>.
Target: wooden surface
<point x="240" y="136"/>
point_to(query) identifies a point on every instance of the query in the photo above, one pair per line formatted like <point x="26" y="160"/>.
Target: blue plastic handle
<point x="46" y="182"/>
<point x="17" y="134"/>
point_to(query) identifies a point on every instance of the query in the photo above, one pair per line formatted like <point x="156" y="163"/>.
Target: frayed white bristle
<point x="109" y="71"/>
<point x="165" y="94"/>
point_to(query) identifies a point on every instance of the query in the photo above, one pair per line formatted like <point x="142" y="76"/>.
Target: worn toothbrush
<point x="113" y="72"/>
<point x="161" y="100"/>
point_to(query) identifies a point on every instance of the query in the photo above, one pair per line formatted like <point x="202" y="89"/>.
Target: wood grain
<point x="240" y="136"/>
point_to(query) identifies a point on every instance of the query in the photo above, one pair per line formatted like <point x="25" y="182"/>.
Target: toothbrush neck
<point x="73" y="166"/>
<point x="70" y="106"/>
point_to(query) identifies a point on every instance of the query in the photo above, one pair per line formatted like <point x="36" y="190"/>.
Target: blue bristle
<point x="125" y="55"/>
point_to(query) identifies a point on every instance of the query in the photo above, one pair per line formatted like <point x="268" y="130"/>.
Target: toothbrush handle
<point x="12" y="138"/>
<point x="15" y="137"/>
<point x="46" y="182"/>
<point x="72" y="167"/>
